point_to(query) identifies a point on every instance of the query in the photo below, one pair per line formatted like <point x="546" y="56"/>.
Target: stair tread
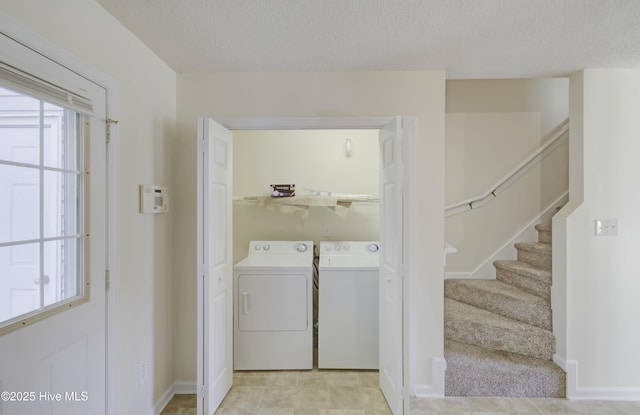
<point x="477" y="371"/>
<point x="473" y="325"/>
<point x="460" y="310"/>
<point x="525" y="269"/>
<point x="500" y="287"/>
<point x="453" y="348"/>
<point x="502" y="299"/>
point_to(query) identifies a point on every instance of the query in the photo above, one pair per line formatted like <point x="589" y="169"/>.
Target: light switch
<point x="606" y="227"/>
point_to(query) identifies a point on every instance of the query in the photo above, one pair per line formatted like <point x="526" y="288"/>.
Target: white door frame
<point x="110" y="85"/>
<point x="409" y="213"/>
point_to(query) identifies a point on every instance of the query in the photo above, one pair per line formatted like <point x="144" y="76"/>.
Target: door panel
<point x="391" y="240"/>
<point x="215" y="267"/>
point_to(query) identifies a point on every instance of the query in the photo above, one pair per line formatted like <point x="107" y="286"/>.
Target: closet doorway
<point x="215" y="269"/>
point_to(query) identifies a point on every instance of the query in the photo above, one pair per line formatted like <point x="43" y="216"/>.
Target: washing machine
<point x="273" y="310"/>
<point x="348" y="305"/>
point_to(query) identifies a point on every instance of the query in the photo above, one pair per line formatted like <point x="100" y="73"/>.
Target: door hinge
<point x="203" y="390"/>
<point x="110" y="122"/>
<point x="107" y="280"/>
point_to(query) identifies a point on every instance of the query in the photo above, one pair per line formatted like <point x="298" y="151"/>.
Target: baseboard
<point x="177" y="388"/>
<point x="436" y="389"/>
<point x="576" y="392"/>
<point x="184" y="387"/>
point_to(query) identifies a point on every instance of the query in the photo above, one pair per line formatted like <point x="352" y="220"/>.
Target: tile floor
<point x="356" y="393"/>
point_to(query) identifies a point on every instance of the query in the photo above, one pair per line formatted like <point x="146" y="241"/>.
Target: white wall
<point x="310" y="159"/>
<point x="491" y="127"/>
<point x="596" y="321"/>
<point x="349" y="94"/>
<point x="147" y="108"/>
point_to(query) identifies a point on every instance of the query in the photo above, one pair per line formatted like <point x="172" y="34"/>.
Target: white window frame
<point x="81" y="234"/>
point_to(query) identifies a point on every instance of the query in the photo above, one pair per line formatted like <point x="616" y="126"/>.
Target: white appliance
<point x="273" y="315"/>
<point x="348" y="305"/>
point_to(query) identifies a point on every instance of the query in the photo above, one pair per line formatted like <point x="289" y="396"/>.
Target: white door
<point x="391" y="244"/>
<point x="57" y="365"/>
<point x="215" y="267"/>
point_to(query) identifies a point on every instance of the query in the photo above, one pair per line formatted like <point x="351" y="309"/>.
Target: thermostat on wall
<point x="154" y="199"/>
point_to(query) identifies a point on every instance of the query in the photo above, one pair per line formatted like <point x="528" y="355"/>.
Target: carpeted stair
<point x="498" y="333"/>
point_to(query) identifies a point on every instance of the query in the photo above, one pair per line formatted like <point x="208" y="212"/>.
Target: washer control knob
<point x="257" y="247"/>
<point x="338" y="248"/>
<point x="266" y="247"/>
<point x="374" y="248"/>
<point x="302" y="247"/>
<point x="327" y="248"/>
<point x="346" y="248"/>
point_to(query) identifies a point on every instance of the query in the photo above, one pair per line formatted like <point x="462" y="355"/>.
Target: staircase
<point x="498" y="333"/>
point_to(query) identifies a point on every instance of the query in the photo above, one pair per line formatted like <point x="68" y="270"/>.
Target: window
<point x="41" y="208"/>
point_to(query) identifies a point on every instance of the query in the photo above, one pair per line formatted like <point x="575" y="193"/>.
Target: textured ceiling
<point x="467" y="38"/>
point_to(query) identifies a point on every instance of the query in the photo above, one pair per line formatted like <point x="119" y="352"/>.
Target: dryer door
<point x="268" y="302"/>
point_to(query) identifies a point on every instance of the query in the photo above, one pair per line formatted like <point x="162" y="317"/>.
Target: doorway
<point x="396" y="138"/>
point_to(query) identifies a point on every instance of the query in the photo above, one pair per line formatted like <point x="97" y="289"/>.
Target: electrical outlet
<point x="606" y="227"/>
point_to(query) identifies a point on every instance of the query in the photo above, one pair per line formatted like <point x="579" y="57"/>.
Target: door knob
<point x="45" y="278"/>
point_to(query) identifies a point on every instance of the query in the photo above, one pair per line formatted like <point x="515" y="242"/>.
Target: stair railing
<point x="557" y="137"/>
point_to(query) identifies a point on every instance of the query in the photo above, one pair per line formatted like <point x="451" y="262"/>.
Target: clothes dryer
<point x="273" y="315"/>
<point x="348" y="305"/>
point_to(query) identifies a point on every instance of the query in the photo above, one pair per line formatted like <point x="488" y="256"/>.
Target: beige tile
<point x="253" y="411"/>
<point x="244" y="397"/>
<point x="347" y="397"/>
<point x="356" y="393"/>
<point x="374" y="399"/>
<point x="313" y="397"/>
<point x="345" y="412"/>
<point x="369" y="378"/>
<point x="515" y="406"/>
<point x="330" y="378"/>
<point x="453" y="404"/>
<point x="553" y="406"/>
<point x="309" y="411"/>
<point x="279" y="378"/>
<point x="377" y="411"/>
<point x="279" y="397"/>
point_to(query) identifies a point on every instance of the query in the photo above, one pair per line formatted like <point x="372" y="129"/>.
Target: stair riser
<point x="535" y="314"/>
<point x="526" y="284"/>
<point x="535" y="258"/>
<point x="544" y="237"/>
<point x="527" y="343"/>
<point x="475" y="371"/>
<point x="469" y="379"/>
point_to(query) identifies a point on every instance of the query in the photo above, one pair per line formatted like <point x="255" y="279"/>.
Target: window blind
<point x="15" y="79"/>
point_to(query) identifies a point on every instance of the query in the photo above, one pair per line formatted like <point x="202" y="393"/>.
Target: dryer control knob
<point x="257" y="247"/>
<point x="374" y="247"/>
<point x="266" y="247"/>
<point x="338" y="247"/>
<point x="302" y="247"/>
<point x="346" y="248"/>
<point x="327" y="248"/>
